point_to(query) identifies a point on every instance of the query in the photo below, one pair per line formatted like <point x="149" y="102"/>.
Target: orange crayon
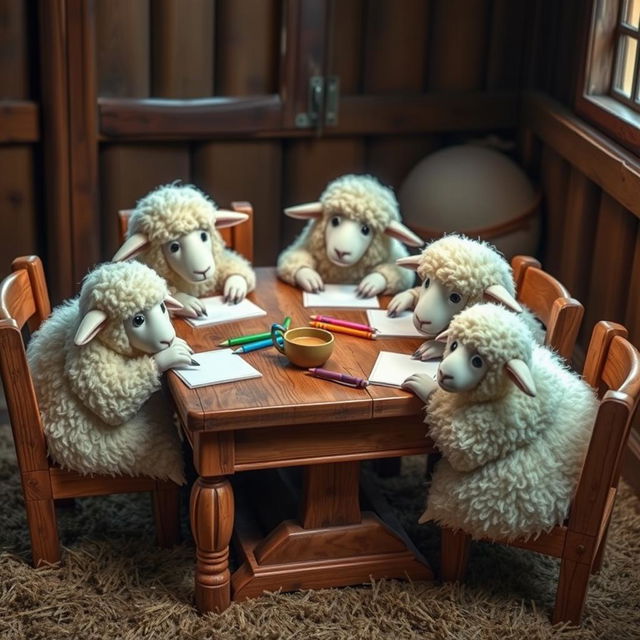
<point x="336" y="329"/>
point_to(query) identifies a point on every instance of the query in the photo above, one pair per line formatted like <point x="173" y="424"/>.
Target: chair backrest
<point x="23" y="300"/>
<point x="550" y="302"/>
<point x="612" y="367"/>
<point x="238" y="238"/>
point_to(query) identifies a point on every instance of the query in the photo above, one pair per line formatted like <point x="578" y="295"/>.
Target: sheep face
<point x="346" y="240"/>
<point x="462" y="368"/>
<point x="436" y="307"/>
<point x="150" y="330"/>
<point x="191" y="256"/>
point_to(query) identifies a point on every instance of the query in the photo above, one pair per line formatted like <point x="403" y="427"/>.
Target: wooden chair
<point x="550" y="302"/>
<point x="24" y="301"/>
<point x="613" y="368"/>
<point x="239" y="238"/>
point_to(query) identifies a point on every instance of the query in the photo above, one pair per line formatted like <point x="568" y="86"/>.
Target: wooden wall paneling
<point x="458" y="44"/>
<point x="632" y="316"/>
<point x="55" y="149"/>
<point x="346" y="34"/>
<point x="247" y="170"/>
<point x="566" y="62"/>
<point x="18" y="213"/>
<point x="506" y="44"/>
<point x="247" y="43"/>
<point x="182" y="45"/>
<point x="123" y="48"/>
<point x="554" y="175"/>
<point x="611" y="264"/>
<point x="83" y="135"/>
<point x="582" y="204"/>
<point x="395" y="46"/>
<point x="15" y="49"/>
<point x="128" y="172"/>
<point x="309" y="165"/>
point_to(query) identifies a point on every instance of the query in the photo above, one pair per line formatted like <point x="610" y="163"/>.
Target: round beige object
<point x="476" y="191"/>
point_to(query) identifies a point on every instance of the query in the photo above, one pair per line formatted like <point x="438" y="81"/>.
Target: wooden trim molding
<point x="606" y="163"/>
<point x="19" y="121"/>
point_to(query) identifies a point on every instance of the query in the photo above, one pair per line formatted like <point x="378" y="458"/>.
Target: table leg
<point x="211" y="514"/>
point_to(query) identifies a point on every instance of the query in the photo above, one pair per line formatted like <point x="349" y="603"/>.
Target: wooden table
<point x="287" y="418"/>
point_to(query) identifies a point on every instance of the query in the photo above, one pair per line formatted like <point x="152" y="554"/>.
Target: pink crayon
<point x="344" y="323"/>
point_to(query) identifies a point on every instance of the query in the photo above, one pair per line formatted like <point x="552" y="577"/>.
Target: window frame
<point x="594" y="100"/>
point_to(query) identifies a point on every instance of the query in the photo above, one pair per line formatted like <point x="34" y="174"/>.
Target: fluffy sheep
<point x="96" y="364"/>
<point x="351" y="238"/>
<point x="173" y="229"/>
<point x="513" y="424"/>
<point x="456" y="272"/>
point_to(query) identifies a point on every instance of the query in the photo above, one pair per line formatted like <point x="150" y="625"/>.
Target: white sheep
<point x="456" y="272"/>
<point x="173" y="229"/>
<point x="96" y="364"/>
<point x="513" y="424"/>
<point x="351" y="238"/>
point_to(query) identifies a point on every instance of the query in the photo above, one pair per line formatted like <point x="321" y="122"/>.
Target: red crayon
<point x="343" y="378"/>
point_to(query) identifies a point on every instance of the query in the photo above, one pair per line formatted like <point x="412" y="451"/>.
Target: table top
<point x="286" y="394"/>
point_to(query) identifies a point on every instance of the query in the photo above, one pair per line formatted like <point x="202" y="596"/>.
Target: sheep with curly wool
<point x="173" y="229"/>
<point x="96" y="364"/>
<point x="513" y="424"/>
<point x="352" y="237"/>
<point x="456" y="272"/>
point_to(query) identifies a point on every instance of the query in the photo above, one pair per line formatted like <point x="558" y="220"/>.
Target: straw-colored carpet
<point x="116" y="584"/>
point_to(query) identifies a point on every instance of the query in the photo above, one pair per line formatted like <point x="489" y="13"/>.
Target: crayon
<point x="344" y="323"/>
<point x="336" y="329"/>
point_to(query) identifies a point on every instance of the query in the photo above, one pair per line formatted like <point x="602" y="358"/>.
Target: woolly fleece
<point x="171" y="211"/>
<point x="510" y="462"/>
<point x="360" y="198"/>
<point x="101" y="406"/>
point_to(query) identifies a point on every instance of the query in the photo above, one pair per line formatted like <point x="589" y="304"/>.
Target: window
<point x="609" y="91"/>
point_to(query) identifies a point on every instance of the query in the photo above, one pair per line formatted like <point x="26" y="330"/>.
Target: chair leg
<point x="572" y="592"/>
<point x="454" y="554"/>
<point x="166" y="510"/>
<point x="597" y="562"/>
<point x="43" y="530"/>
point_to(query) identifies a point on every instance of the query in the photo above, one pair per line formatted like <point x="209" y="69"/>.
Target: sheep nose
<point x="444" y="376"/>
<point x="342" y="254"/>
<point x="202" y="272"/>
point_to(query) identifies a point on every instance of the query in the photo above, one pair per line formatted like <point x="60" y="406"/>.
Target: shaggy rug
<point x="115" y="583"/>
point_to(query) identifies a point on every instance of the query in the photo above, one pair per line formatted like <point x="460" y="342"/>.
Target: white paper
<point x="400" y="326"/>
<point x="219" y="312"/>
<point x="216" y="367"/>
<point x="339" y="295"/>
<point x="392" y="369"/>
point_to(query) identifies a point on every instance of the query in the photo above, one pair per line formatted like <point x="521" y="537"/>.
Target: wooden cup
<point x="303" y="346"/>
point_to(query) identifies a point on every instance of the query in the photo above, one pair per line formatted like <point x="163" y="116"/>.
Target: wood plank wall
<point x="19" y="133"/>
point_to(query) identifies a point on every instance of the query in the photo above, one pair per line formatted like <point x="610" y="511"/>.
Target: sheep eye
<point x="365" y="230"/>
<point x="427" y="282"/>
<point x="455" y="298"/>
<point x="138" y="320"/>
<point x="174" y="247"/>
<point x="476" y="361"/>
<point x="454" y="345"/>
<point x="163" y="308"/>
<point x="204" y="236"/>
<point x="335" y="221"/>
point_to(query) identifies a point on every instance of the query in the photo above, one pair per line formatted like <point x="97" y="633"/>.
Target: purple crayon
<point x="343" y="378"/>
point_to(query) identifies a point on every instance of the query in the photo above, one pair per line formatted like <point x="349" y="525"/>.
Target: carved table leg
<point x="211" y="513"/>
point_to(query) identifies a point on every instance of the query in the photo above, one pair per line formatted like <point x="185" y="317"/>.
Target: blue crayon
<point x="254" y="346"/>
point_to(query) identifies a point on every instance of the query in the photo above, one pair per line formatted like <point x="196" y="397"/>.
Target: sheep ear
<point x="520" y="375"/>
<point x="308" y="211"/>
<point x="90" y="326"/>
<point x="410" y="262"/>
<point x="131" y="247"/>
<point x="226" y="218"/>
<point x="172" y="304"/>
<point x="443" y="336"/>
<point x="497" y="293"/>
<point x="398" y="231"/>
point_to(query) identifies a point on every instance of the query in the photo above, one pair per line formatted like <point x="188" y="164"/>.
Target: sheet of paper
<point x="219" y="312"/>
<point x="392" y="369"/>
<point x="217" y="367"/>
<point x="339" y="296"/>
<point x="401" y="326"/>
